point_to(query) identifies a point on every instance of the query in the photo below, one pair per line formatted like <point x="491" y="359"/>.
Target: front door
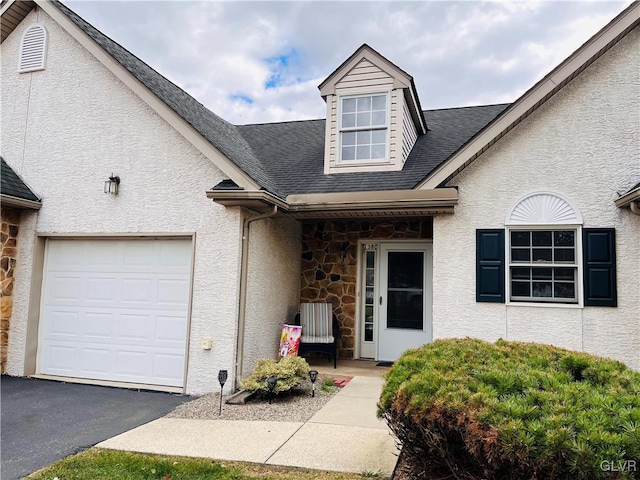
<point x="404" y="303"/>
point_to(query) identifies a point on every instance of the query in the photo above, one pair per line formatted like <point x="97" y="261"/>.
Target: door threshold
<point x="109" y="383"/>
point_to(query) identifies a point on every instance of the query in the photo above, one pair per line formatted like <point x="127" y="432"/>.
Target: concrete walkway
<point x="343" y="436"/>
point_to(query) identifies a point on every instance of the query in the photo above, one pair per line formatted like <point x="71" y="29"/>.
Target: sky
<point x="258" y="62"/>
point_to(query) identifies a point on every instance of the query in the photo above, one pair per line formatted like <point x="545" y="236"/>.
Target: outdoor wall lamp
<point x="111" y="185"/>
<point x="222" y="378"/>
<point x="271" y="384"/>
<point x="313" y="376"/>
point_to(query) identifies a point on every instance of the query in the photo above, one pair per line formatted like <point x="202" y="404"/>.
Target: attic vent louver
<point x="33" y="49"/>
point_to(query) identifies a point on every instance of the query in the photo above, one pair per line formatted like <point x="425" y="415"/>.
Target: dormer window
<point x="364" y="128"/>
<point x="373" y="115"/>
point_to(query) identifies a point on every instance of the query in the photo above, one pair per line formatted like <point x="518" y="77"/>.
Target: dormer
<point x="373" y="115"/>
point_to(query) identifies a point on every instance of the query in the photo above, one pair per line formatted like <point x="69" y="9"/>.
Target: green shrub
<point x="290" y="372"/>
<point x="469" y="409"/>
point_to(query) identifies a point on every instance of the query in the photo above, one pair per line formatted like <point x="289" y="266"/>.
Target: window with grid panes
<point x="363" y="128"/>
<point x="543" y="265"/>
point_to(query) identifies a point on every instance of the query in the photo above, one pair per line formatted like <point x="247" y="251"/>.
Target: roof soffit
<point x="11" y="14"/>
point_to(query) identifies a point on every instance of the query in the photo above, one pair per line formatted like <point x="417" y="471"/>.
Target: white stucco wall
<point x="273" y="296"/>
<point x="65" y="130"/>
<point x="583" y="143"/>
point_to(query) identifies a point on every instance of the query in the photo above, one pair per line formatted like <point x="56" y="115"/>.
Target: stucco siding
<point x="273" y="286"/>
<point x="584" y="143"/>
<point x="66" y="129"/>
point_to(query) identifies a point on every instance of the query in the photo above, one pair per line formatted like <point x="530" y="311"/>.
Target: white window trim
<point x="387" y="128"/>
<point x="579" y="280"/>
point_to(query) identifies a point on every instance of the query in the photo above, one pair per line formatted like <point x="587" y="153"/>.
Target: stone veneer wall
<point x="10" y="224"/>
<point x="326" y="277"/>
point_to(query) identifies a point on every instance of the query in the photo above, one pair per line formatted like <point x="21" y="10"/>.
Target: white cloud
<point x="262" y="61"/>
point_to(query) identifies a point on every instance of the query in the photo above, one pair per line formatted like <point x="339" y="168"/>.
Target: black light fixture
<point x="271" y="383"/>
<point x="222" y="378"/>
<point x="111" y="185"/>
<point x="313" y="376"/>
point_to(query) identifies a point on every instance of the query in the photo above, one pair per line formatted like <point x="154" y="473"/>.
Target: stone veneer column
<point x="10" y="225"/>
<point x="329" y="265"/>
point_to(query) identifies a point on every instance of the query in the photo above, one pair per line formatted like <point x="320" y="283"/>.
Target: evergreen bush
<point x="469" y="409"/>
<point x="290" y="372"/>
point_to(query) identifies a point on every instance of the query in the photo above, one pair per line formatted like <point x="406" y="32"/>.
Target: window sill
<point x="382" y="166"/>
<point x="545" y="305"/>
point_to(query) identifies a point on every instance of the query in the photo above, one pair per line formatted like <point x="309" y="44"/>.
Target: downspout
<point x="635" y="207"/>
<point x="242" y="306"/>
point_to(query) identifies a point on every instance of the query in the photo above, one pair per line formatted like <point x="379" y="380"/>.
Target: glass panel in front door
<point x="405" y="290"/>
<point x="369" y="300"/>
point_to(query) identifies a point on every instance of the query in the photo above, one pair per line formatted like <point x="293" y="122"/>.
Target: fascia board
<point x="9" y="201"/>
<point x="162" y="109"/>
<point x="241" y="196"/>
<point x="536" y="96"/>
<point x="373" y="200"/>
<point x="628" y="198"/>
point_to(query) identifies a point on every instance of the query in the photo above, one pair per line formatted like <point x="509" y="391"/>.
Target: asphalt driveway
<point x="44" y="421"/>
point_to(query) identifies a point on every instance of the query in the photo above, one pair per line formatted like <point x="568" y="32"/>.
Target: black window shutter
<point x="490" y="266"/>
<point x="599" y="252"/>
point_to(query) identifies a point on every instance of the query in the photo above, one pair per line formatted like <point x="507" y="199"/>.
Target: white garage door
<point x="115" y="310"/>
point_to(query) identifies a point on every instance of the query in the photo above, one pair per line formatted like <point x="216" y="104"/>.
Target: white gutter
<point x="9" y="201"/>
<point x="242" y="306"/>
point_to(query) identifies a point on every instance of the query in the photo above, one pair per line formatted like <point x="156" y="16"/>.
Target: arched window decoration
<point x="33" y="49"/>
<point x="543" y="208"/>
<point x="543" y="249"/>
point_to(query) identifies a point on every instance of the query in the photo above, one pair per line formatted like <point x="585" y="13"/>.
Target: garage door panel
<point x="65" y="255"/>
<point x="119" y="314"/>
<point x="64" y="290"/>
<point x="61" y="359"/>
<point x="172" y="292"/>
<point x="167" y="367"/>
<point x="63" y="324"/>
<point x="169" y="331"/>
<point x="94" y="360"/>
<point x="175" y="256"/>
<point x="138" y="291"/>
<point x="103" y="254"/>
<point x="98" y="326"/>
<point x="101" y="289"/>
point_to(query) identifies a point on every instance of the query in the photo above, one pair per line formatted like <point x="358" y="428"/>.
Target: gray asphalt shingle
<point x="288" y="158"/>
<point x="12" y="185"/>
<point x="294" y="151"/>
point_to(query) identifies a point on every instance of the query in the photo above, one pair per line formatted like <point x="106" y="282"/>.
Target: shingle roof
<point x="294" y="151"/>
<point x="287" y="158"/>
<point x="220" y="133"/>
<point x="12" y="185"/>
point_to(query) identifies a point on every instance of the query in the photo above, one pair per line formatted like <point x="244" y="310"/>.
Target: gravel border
<point x="290" y="408"/>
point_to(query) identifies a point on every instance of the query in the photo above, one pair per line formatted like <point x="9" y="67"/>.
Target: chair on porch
<point x="320" y="330"/>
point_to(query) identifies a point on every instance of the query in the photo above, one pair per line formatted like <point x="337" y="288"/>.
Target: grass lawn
<point x="99" y="464"/>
